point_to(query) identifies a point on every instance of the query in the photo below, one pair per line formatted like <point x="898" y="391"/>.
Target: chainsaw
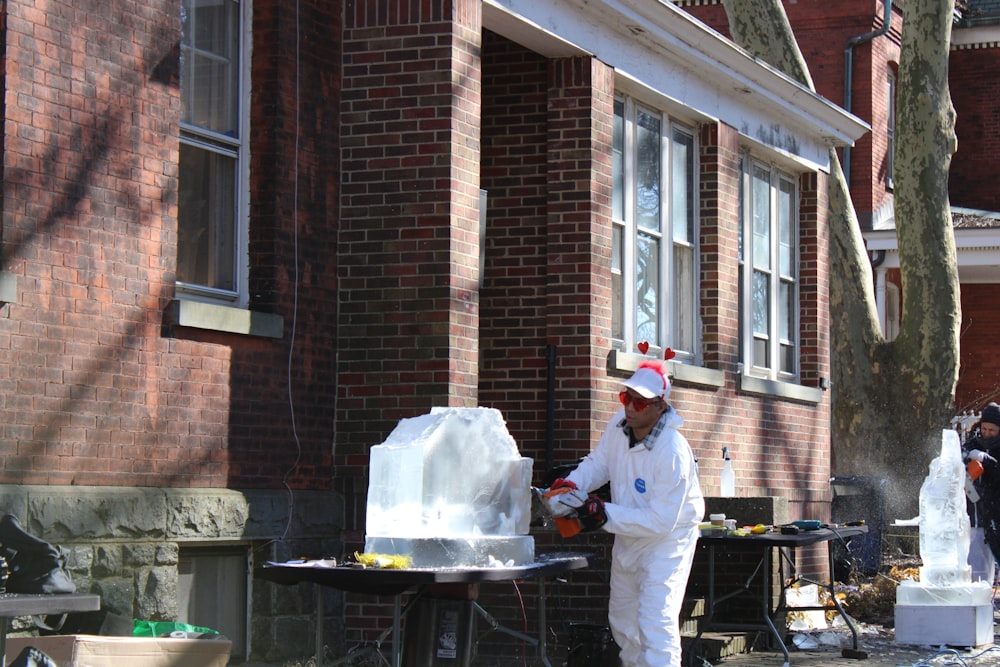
<point x="566" y="523"/>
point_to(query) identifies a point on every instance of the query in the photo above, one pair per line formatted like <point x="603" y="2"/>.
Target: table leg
<point x="397" y="644"/>
<point x="768" y="611"/>
<point x="319" y="626"/>
<point x="542" y="623"/>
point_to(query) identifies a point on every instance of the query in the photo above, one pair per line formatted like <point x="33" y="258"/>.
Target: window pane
<point x="618" y="163"/>
<point x="617" y="283"/>
<point x="761" y="299"/>
<point x="761" y="211"/>
<point x="786" y="311"/>
<point x="786" y="242"/>
<point x="682" y="186"/>
<point x="761" y="353"/>
<point x="647" y="289"/>
<point x="648" y="171"/>
<point x="210" y="65"/>
<point x="205" y="218"/>
<point x="788" y="359"/>
<point x="684" y="291"/>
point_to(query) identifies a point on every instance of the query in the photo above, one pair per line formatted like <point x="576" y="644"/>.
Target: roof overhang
<point x="680" y="58"/>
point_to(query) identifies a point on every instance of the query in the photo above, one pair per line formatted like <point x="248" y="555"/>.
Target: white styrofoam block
<point x="944" y="625"/>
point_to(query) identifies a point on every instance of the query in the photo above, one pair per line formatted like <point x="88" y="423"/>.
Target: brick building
<point x="242" y="240"/>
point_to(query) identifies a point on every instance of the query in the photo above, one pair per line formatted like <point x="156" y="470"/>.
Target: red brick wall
<point x="978" y="383"/>
<point x="974" y="81"/>
<point x="94" y="391"/>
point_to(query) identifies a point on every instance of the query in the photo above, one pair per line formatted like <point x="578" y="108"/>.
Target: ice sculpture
<point x="945" y="606"/>
<point x="450" y="488"/>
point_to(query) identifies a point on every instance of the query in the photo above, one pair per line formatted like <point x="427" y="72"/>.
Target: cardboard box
<point x="99" y="651"/>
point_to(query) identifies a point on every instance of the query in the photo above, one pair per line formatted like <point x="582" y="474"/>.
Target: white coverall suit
<point x="656" y="506"/>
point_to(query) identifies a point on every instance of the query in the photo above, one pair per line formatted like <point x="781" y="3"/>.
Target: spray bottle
<point x="727" y="478"/>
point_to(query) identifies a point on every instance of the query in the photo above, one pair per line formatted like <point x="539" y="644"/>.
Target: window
<point x="211" y="217"/>
<point x="654" y="235"/>
<point x="769" y="272"/>
<point x="890" y="130"/>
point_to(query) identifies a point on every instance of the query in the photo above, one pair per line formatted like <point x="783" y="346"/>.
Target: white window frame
<point x="237" y="148"/>
<point x="775" y="278"/>
<point x="626" y="236"/>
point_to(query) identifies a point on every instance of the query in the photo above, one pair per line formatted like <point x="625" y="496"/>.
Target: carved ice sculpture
<point x="450" y="488"/>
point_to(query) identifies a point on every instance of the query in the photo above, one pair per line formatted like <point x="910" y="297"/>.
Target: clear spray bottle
<point x="727" y="478"/>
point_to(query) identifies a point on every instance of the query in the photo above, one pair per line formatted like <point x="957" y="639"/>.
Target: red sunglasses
<point x="638" y="404"/>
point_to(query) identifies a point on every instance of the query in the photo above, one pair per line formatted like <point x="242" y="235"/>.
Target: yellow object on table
<point x="391" y="562"/>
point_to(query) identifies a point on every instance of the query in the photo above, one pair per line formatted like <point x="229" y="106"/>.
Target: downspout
<point x="550" y="409"/>
<point x="849" y="73"/>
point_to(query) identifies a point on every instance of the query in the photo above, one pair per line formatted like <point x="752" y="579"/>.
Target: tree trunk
<point x="890" y="400"/>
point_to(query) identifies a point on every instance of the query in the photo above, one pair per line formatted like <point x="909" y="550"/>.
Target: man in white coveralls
<point x="656" y="506"/>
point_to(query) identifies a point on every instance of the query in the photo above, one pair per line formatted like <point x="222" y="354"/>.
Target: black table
<point x="13" y="605"/>
<point x="395" y="582"/>
<point x="784" y="547"/>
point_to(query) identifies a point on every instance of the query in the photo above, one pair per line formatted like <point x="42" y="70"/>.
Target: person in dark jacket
<point x="984" y="511"/>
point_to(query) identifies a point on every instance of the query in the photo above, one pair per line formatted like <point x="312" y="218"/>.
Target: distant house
<point x="242" y="240"/>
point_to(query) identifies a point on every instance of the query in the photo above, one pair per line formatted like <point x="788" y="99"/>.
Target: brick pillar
<point x="719" y="197"/>
<point x="814" y="279"/>
<point x="409" y="238"/>
<point x="578" y="300"/>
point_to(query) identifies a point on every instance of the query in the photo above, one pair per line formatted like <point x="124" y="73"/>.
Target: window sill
<point x="624" y="363"/>
<point x="794" y="392"/>
<point x="8" y="287"/>
<point x="200" y="315"/>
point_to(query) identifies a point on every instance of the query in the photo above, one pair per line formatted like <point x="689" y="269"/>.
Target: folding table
<point x="783" y="546"/>
<point x="395" y="582"/>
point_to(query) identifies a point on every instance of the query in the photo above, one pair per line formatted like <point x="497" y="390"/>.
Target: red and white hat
<point x="649" y="381"/>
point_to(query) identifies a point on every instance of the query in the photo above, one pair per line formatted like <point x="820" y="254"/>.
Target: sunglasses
<point x="638" y="404"/>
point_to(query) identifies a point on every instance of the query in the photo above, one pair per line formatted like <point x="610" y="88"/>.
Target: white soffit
<point x="676" y="56"/>
<point x="977" y="37"/>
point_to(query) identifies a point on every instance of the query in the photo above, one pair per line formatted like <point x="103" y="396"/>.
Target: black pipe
<point x="550" y="409"/>
<point x="849" y="74"/>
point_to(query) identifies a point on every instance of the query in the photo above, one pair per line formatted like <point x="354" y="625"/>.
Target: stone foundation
<point x="124" y="545"/>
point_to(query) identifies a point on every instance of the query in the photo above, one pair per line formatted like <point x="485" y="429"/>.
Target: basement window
<point x="212" y="591"/>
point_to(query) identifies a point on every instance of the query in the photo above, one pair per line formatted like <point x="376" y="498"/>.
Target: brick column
<point x="578" y="298"/>
<point x="814" y="279"/>
<point x="720" y="200"/>
<point x="409" y="237"/>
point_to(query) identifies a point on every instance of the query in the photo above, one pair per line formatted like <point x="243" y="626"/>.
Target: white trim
<point x="978" y="37"/>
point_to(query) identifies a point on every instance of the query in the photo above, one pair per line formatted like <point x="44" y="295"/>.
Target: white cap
<point x="649" y="383"/>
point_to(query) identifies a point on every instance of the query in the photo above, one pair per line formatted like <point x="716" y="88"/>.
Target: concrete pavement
<point x="880" y="646"/>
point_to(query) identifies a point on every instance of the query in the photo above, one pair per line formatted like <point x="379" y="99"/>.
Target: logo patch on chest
<point x="640" y="485"/>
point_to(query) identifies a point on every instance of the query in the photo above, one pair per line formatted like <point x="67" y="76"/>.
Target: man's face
<point x="641" y="413"/>
<point x="989" y="430"/>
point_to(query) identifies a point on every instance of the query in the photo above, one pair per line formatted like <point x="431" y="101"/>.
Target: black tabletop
<point x="386" y="581"/>
<point x="776" y="539"/>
